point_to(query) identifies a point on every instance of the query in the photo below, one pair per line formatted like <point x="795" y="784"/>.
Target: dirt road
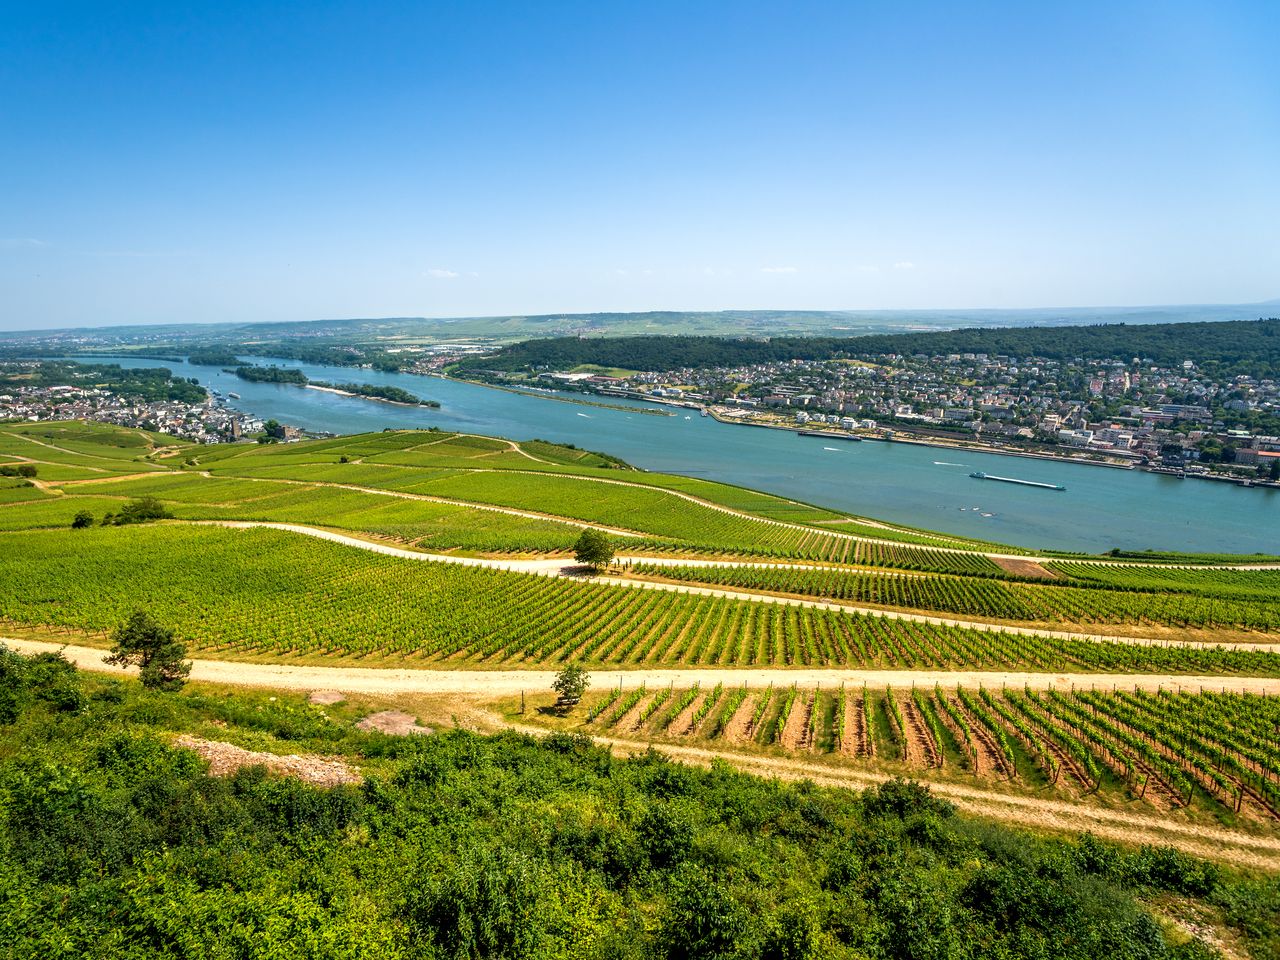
<point x="508" y="682"/>
<point x="1205" y="841"/>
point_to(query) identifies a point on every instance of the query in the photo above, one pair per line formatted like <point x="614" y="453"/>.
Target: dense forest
<point x="1238" y="346"/>
<point x="148" y="383"/>
<point x="378" y="392"/>
<point x="214" y="356"/>
<point x="272" y="374"/>
<point x="114" y="843"/>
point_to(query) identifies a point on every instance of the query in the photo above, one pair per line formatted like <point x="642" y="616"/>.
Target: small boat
<point x="233" y="396"/>
<point x="1021" y="483"/>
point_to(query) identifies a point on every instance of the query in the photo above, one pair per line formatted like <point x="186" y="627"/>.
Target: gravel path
<point x="501" y="683"/>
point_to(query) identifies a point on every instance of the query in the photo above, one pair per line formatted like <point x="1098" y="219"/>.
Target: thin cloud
<point x="904" y="265"/>
<point x="16" y="243"/>
<point x="437" y="274"/>
<point x="779" y="270"/>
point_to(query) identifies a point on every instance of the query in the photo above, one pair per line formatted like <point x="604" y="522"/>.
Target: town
<point x="205" y="421"/>
<point x="1138" y="414"/>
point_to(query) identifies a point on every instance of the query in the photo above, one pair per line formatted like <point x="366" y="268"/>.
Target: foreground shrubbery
<point x="113" y="844"/>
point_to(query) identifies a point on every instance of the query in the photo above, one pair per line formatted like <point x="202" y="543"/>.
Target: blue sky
<point x="170" y="161"/>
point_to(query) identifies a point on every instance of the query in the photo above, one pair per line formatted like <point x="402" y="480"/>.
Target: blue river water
<point x="926" y="487"/>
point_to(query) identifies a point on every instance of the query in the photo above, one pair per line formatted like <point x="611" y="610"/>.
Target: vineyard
<point x="1244" y="599"/>
<point x="266" y="592"/>
<point x="1170" y="750"/>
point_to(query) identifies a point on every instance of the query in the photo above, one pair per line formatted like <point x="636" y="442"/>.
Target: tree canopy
<point x="143" y="643"/>
<point x="593" y="549"/>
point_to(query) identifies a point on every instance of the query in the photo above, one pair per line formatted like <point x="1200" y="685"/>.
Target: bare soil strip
<point x="629" y="722"/>
<point x="225" y="759"/>
<point x="921" y="749"/>
<point x="1024" y="568"/>
<point x="393" y="680"/>
<point x="990" y="761"/>
<point x="793" y="734"/>
<point x="735" y="730"/>
<point x="682" y="725"/>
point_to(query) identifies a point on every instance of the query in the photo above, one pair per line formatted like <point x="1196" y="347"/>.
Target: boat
<point x="704" y="412"/>
<point x="233" y="396"/>
<point x="1021" y="483"/>
<point x="829" y="436"/>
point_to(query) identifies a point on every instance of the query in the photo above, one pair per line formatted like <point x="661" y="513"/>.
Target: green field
<point x="1173" y="598"/>
<point x="265" y="592"/>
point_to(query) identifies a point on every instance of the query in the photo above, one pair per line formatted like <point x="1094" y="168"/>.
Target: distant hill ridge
<point x="1243" y="346"/>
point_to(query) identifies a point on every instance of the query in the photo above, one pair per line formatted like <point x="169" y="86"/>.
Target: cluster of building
<point x="206" y="422"/>
<point x="1134" y="412"/>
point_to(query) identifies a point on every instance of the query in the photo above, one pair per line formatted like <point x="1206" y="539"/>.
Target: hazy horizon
<point x="1124" y="312"/>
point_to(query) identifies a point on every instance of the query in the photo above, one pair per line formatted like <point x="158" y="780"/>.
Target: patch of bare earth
<point x="395" y="722"/>
<point x="735" y="731"/>
<point x="680" y="726"/>
<point x="326" y="698"/>
<point x="921" y="750"/>
<point x="794" y="734"/>
<point x="989" y="761"/>
<point x="856" y="742"/>
<point x="225" y="759"/>
<point x="1024" y="568"/>
<point x="630" y="720"/>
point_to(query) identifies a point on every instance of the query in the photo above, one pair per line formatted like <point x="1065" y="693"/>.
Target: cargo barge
<point x="1021" y="483"/>
<point x="829" y="436"/>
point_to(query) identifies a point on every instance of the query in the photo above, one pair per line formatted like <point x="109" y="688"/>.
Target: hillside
<point x="119" y="840"/>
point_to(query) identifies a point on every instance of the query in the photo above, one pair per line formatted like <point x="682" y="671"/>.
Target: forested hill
<point x="1241" y="346"/>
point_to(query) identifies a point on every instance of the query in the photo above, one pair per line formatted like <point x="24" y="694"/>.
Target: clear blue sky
<point x="177" y="161"/>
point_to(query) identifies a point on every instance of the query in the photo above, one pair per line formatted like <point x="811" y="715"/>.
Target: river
<point x="921" y="486"/>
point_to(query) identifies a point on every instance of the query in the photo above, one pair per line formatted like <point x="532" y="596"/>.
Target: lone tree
<point x="593" y="549"/>
<point x="143" y="643"/>
<point x="82" y="519"/>
<point x="571" y="683"/>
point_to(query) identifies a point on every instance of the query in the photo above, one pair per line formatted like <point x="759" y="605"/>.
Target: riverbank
<point x="538" y="393"/>
<point x="919" y="442"/>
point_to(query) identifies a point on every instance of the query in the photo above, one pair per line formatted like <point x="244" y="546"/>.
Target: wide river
<point x="920" y="486"/>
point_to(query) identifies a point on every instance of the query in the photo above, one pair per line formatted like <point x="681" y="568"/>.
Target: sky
<point x="255" y="161"/>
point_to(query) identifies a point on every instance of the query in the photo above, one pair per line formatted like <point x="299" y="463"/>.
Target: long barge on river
<point x="1021" y="483"/>
<point x="829" y="436"/>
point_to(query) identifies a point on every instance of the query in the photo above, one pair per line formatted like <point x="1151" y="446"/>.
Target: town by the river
<point x="920" y="486"/>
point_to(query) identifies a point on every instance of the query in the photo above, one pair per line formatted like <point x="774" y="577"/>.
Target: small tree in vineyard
<point x="593" y="549"/>
<point x="571" y="683"/>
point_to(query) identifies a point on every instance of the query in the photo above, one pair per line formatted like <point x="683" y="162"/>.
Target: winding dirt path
<point x="1198" y="839"/>
<point x="1213" y="843"/>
